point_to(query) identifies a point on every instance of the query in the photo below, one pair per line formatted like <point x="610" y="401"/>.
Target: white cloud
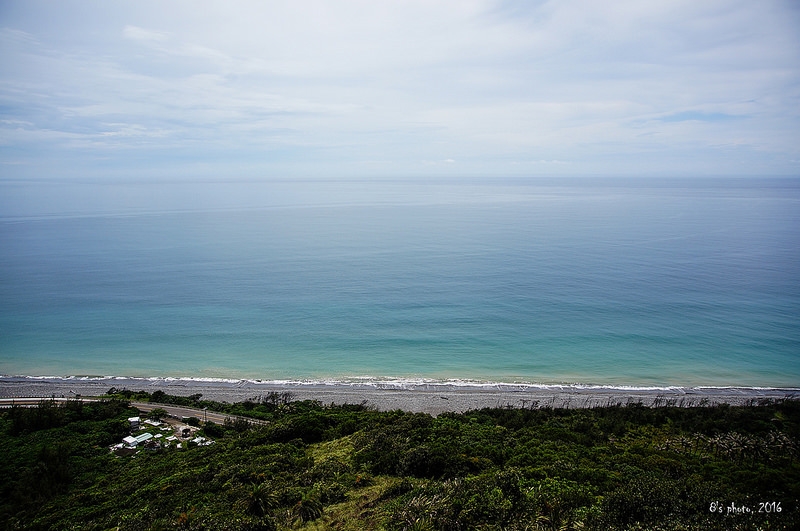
<point x="140" y="34"/>
<point x="498" y="86"/>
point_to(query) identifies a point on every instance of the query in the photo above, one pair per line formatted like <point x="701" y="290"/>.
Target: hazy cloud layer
<point x="273" y="89"/>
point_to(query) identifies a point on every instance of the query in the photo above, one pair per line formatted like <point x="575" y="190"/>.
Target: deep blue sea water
<point x="644" y="282"/>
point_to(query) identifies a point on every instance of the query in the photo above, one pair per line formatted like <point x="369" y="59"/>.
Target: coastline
<point x="433" y="397"/>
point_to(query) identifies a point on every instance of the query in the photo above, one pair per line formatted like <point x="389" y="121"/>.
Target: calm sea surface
<point x="599" y="281"/>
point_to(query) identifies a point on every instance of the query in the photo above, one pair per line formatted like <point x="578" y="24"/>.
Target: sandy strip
<point x="428" y="398"/>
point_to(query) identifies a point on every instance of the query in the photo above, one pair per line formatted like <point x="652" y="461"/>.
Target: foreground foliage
<point x="348" y="467"/>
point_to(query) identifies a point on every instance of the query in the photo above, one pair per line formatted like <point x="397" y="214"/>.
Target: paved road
<point x="180" y="412"/>
<point x="144" y="407"/>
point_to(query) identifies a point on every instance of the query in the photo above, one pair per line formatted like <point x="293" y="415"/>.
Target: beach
<point x="425" y="397"/>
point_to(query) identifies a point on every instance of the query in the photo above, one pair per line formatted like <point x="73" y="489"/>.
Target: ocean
<point x="595" y="281"/>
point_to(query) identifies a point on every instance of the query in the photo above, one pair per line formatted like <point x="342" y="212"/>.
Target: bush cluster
<point x="350" y="467"/>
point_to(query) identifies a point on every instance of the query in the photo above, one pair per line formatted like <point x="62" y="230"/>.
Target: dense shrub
<point x="611" y="468"/>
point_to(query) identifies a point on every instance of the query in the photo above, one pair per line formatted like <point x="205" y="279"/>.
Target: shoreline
<point x="431" y="397"/>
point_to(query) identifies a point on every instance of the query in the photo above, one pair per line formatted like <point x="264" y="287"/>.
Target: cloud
<point x="699" y="116"/>
<point x="318" y="87"/>
<point x="140" y="34"/>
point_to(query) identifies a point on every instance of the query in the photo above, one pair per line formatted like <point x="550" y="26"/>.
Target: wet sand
<point x="419" y="397"/>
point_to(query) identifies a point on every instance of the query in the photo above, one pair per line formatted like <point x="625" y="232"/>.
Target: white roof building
<point x="143" y="437"/>
<point x="139" y="439"/>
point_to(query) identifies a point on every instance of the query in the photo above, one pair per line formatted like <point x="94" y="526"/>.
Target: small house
<point x="143" y="437"/>
<point x="136" y="441"/>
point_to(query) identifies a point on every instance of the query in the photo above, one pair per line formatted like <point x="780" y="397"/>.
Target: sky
<point x="251" y="90"/>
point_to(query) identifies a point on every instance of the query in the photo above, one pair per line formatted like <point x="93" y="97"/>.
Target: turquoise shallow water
<point x="598" y="281"/>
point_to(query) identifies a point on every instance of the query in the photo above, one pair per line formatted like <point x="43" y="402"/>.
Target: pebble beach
<point x="425" y="397"/>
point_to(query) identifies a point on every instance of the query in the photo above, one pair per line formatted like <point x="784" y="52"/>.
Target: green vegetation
<point x="348" y="467"/>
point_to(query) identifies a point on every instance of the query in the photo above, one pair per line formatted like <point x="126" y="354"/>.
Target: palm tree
<point x="261" y="500"/>
<point x="308" y="508"/>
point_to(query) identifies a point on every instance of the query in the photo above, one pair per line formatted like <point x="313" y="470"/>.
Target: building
<point x="136" y="441"/>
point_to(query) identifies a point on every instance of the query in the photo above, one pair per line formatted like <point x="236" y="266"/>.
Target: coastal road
<point x="144" y="407"/>
<point x="203" y="415"/>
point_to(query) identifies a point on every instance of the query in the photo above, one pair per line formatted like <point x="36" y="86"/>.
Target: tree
<point x="158" y="413"/>
<point x="261" y="500"/>
<point x="309" y="508"/>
